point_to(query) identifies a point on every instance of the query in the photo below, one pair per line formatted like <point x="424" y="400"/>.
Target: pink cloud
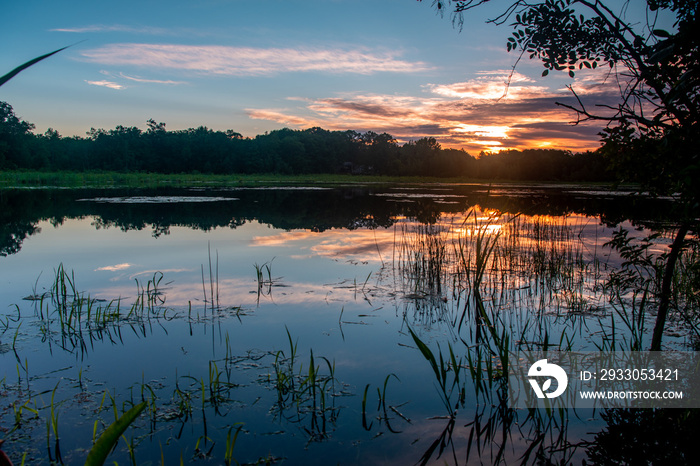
<point x="472" y="115"/>
<point x="251" y="61"/>
<point x="108" y="84"/>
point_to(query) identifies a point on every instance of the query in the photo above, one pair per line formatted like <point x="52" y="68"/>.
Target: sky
<point x="390" y="66"/>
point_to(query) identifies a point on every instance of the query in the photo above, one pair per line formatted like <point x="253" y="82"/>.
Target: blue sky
<point x="254" y="66"/>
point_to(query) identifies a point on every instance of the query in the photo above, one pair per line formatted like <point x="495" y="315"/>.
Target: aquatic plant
<point x="231" y="443"/>
<point x="213" y="298"/>
<point x="105" y="443"/>
<point x="383" y="407"/>
<point x="263" y="276"/>
<point x="304" y="394"/>
<point x="71" y="318"/>
<point x="442" y="368"/>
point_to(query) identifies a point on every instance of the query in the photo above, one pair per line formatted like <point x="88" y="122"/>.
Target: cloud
<point x="104" y="83"/>
<point x="116" y="28"/>
<point x="280" y="117"/>
<point x="115" y="268"/>
<point x="150" y="81"/>
<point x="138" y="79"/>
<point x="251" y="61"/>
<point x="472" y="115"/>
<point x="493" y="86"/>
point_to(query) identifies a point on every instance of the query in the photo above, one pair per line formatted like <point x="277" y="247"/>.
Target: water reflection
<point x="644" y="436"/>
<point x="305" y="209"/>
<point x="358" y="325"/>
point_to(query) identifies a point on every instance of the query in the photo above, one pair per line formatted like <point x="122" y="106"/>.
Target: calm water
<point x="227" y="296"/>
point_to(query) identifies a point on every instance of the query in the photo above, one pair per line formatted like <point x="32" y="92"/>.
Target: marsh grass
<point x="212" y="300"/>
<point x="517" y="283"/>
<point x="305" y="396"/>
<point x="535" y="275"/>
<point x="193" y="406"/>
<point x="497" y="284"/>
<point x="383" y="407"/>
<point x="65" y="179"/>
<point x="422" y="256"/>
<point x="446" y="370"/>
<point x="633" y="290"/>
<point x="72" y="319"/>
<point x="524" y="283"/>
<point x="686" y="289"/>
<point x="263" y="276"/>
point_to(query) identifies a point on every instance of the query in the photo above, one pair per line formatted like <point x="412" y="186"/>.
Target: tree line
<point x="284" y="151"/>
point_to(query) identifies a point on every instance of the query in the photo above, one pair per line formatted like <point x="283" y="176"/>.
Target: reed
<point x="109" y="438"/>
<point x="52" y="427"/>
<point x="304" y="393"/>
<point x="73" y="320"/>
<point x="231" y="442"/>
<point x="263" y="276"/>
<point x="383" y="408"/>
<point x="443" y="369"/>
<point x="19" y="417"/>
<point x="213" y="298"/>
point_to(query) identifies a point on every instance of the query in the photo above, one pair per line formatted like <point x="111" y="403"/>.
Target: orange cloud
<point x="493" y="86"/>
<point x="475" y="115"/>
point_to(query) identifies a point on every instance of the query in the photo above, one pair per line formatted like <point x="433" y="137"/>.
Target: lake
<point x="289" y="323"/>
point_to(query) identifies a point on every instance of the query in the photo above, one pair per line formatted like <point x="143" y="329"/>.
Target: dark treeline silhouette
<point x="313" y="209"/>
<point x="284" y="151"/>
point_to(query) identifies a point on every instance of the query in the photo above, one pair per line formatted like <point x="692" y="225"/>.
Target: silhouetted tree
<point x="653" y="133"/>
<point x="312" y="150"/>
<point x="15" y="135"/>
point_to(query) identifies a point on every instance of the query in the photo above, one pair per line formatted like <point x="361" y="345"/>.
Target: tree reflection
<point x="647" y="436"/>
<point x="306" y="208"/>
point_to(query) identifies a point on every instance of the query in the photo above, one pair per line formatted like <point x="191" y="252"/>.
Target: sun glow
<point x="483" y="131"/>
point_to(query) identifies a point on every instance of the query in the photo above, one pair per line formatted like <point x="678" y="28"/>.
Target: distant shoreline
<point x="106" y="179"/>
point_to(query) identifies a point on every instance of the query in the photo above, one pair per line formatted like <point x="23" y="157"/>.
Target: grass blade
<point x="99" y="451"/>
<point x="24" y="66"/>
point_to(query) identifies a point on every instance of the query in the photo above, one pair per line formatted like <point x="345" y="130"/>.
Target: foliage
<point x="24" y="66"/>
<point x="15" y="136"/>
<point x="653" y="131"/>
<point x="286" y="151"/>
<point x="645" y="436"/>
<point x="99" y="452"/>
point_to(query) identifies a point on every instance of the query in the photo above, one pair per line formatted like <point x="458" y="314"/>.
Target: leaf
<point x="545" y="73"/>
<point x="101" y="448"/>
<point x="661" y="33"/>
<point x="571" y="74"/>
<point x="546" y="385"/>
<point x="427" y="354"/>
<point x="20" y="68"/>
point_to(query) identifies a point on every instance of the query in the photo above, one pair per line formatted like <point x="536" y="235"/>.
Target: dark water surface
<point x="281" y="317"/>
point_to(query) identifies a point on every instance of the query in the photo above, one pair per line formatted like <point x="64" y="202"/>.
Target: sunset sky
<point x="254" y="66"/>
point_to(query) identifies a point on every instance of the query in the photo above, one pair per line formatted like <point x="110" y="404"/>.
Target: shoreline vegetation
<point x="109" y="179"/>
<point x="315" y="152"/>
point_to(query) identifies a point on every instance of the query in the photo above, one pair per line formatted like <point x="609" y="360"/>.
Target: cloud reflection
<point x="368" y="246"/>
